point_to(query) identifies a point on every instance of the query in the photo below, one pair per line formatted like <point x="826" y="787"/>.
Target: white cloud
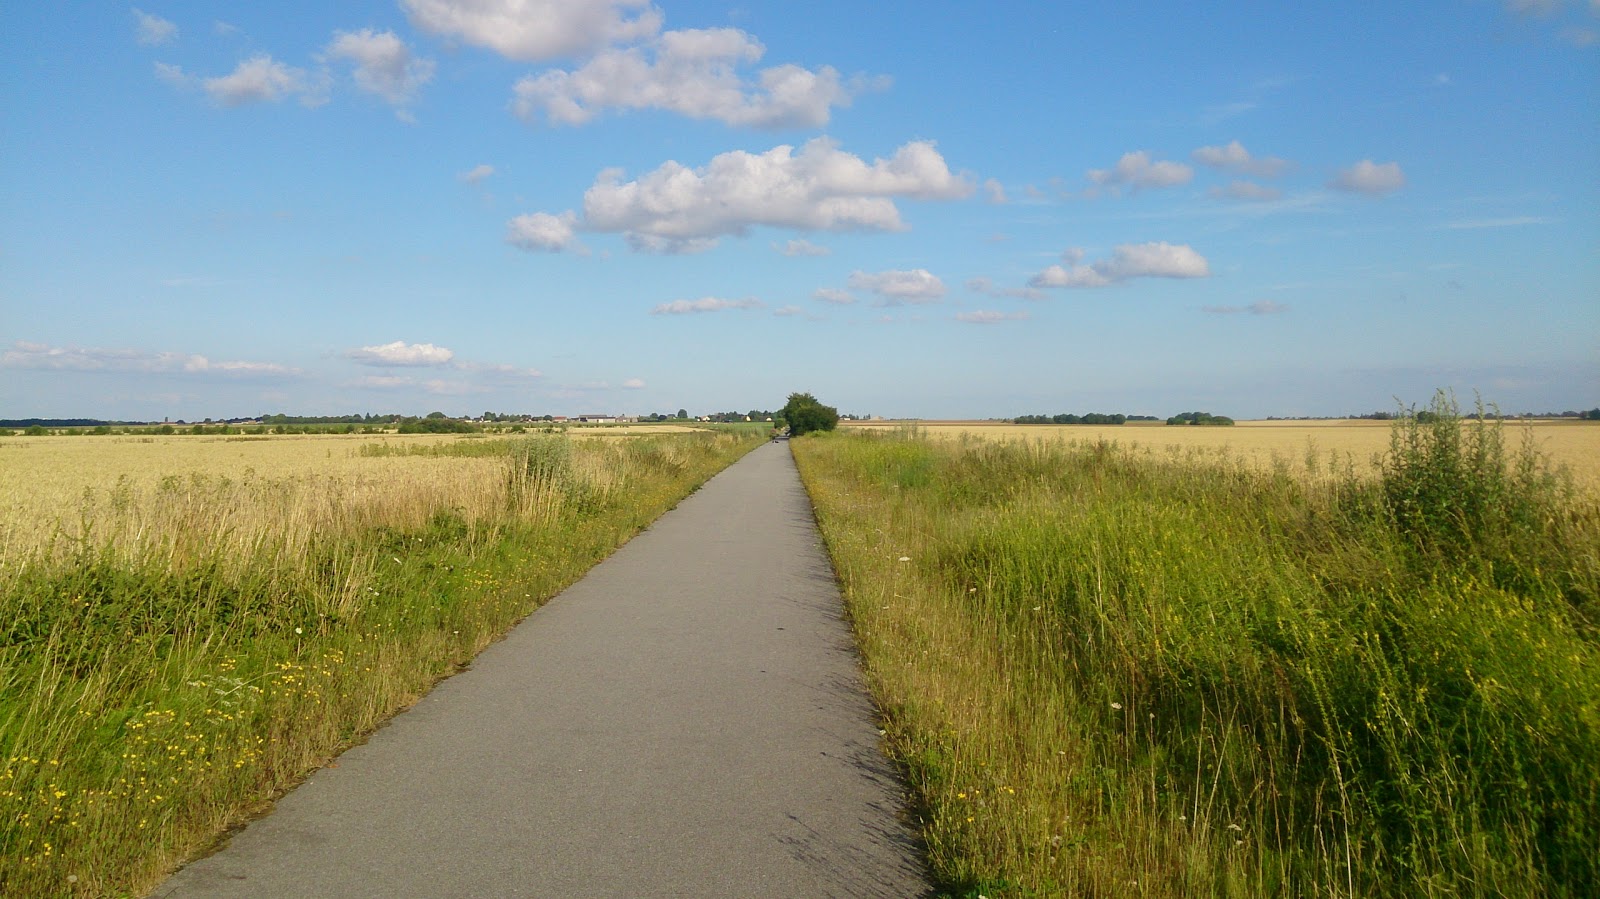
<point x="1370" y="178"/>
<point x="694" y="73"/>
<point x="633" y="384"/>
<point x="541" y="231"/>
<point x="531" y="30"/>
<point x="153" y="31"/>
<point x="1128" y="261"/>
<point x="704" y="304"/>
<point x="990" y="316"/>
<point x="263" y="79"/>
<point x="994" y="191"/>
<point x="384" y="64"/>
<point x="818" y="188"/>
<point x="835" y="295"/>
<point x="43" y="357"/>
<point x="1235" y="158"/>
<point x="799" y="247"/>
<point x="1261" y="307"/>
<point x="897" y="287"/>
<point x="785" y="311"/>
<point x="400" y="353"/>
<point x="1245" y="190"/>
<point x="1136" y="170"/>
<point x="476" y="173"/>
<point x="173" y="75"/>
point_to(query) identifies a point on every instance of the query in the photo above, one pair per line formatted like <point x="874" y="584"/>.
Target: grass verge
<point x="1113" y="675"/>
<point x="184" y="653"/>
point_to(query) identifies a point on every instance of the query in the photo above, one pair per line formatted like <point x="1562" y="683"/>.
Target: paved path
<point x="687" y="720"/>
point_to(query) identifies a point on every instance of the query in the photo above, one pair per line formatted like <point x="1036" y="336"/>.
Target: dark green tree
<point x="804" y="414"/>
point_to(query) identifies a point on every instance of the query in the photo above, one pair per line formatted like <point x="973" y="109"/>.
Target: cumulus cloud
<point x="994" y="191"/>
<point x="800" y="247"/>
<point x="1128" y="261"/>
<point x="1136" y="170"/>
<point x="704" y="304"/>
<point x="476" y="173"/>
<point x="1235" y="158"/>
<point x="153" y="31"/>
<point x="532" y="30"/>
<point x="541" y="232"/>
<point x="1245" y="190"/>
<point x="633" y="384"/>
<point x="819" y="188"/>
<point x="990" y="316"/>
<point x="1370" y="178"/>
<point x="897" y="287"/>
<point x="261" y="79"/>
<point x="836" y="295"/>
<point x="1262" y="307"/>
<point x="695" y="73"/>
<point x="383" y="64"/>
<point x="400" y="353"/>
<point x="43" y="357"/>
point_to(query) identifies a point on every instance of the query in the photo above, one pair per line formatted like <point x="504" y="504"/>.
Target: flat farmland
<point x="1335" y="444"/>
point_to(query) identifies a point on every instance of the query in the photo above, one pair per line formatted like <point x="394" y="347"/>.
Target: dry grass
<point x="1335" y="444"/>
<point x="189" y="624"/>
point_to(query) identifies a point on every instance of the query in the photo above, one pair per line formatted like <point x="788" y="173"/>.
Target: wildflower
<point x="905" y="558"/>
<point x="1117" y="706"/>
<point x="299" y="631"/>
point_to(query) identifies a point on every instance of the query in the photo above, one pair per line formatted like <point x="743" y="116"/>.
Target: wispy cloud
<point x="1370" y="178"/>
<point x="1516" y="221"/>
<point x="153" y="31"/>
<point x="705" y="304"/>
<point x="43" y="357"/>
<point x="1262" y="307"/>
<point x="990" y="316"/>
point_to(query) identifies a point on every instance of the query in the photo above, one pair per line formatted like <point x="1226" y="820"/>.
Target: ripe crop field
<point x="1334" y="445"/>
<point x="190" y="624"/>
<point x="1111" y="672"/>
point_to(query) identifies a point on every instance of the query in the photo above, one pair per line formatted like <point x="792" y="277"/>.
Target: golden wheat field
<point x="237" y="488"/>
<point x="1333" y="444"/>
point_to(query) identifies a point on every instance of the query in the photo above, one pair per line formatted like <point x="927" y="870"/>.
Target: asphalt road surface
<point x="687" y="720"/>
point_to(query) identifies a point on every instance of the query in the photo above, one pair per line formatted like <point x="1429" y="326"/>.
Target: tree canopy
<point x="804" y="414"/>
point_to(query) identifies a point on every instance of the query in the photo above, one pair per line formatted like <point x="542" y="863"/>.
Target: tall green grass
<point x="1109" y="674"/>
<point x="158" y="688"/>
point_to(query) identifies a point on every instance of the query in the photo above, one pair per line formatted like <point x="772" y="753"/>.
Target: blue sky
<point x="910" y="210"/>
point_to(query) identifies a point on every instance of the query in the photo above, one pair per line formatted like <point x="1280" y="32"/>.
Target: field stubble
<point x="1315" y="448"/>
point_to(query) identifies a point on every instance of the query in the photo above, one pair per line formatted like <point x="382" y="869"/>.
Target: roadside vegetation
<point x="176" y="653"/>
<point x="1108" y="673"/>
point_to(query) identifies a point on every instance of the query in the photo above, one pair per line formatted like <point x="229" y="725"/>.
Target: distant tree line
<point x="1092" y="418"/>
<point x="1199" y="418"/>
